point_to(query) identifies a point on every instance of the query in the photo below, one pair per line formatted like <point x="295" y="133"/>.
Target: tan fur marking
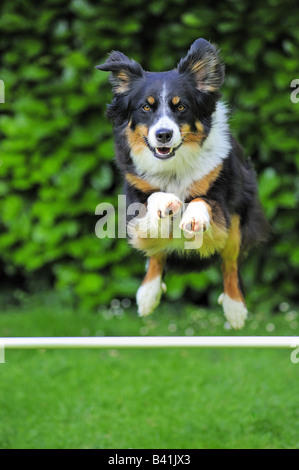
<point x="123" y="86"/>
<point x="198" y="66"/>
<point x="155" y="267"/>
<point x="191" y="137"/>
<point x="232" y="248"/>
<point x="149" y="246"/>
<point x="231" y="286"/>
<point x="136" y="137"/>
<point x="151" y="100"/>
<point x="199" y="126"/>
<point x="213" y="239"/>
<point x="230" y="256"/>
<point x="206" y="76"/>
<point x="140" y="184"/>
<point x="201" y="187"/>
<point x="213" y="242"/>
<point x="212" y="88"/>
<point x="176" y="100"/>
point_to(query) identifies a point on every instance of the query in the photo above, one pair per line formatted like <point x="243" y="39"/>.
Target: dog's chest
<point x="190" y="186"/>
<point x="181" y="188"/>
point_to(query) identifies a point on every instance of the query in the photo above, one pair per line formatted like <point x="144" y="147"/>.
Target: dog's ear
<point x="124" y="71"/>
<point x="204" y="64"/>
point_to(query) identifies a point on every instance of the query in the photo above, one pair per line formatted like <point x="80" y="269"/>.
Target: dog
<point x="180" y="161"/>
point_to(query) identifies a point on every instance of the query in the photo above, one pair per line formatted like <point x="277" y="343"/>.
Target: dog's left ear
<point x="204" y="64"/>
<point x="124" y="71"/>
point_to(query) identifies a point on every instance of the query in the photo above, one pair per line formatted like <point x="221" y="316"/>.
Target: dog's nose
<point x="164" y="136"/>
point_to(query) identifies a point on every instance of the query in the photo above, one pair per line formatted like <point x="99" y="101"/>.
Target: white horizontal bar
<point x="150" y="342"/>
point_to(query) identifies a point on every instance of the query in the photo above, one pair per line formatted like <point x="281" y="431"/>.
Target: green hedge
<point x="57" y="149"/>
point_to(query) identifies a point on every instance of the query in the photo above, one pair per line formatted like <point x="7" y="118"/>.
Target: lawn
<point x="155" y="399"/>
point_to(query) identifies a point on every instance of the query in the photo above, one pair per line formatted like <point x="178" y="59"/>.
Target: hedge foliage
<point x="57" y="148"/>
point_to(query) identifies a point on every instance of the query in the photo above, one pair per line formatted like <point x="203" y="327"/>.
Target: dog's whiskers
<point x="183" y="133"/>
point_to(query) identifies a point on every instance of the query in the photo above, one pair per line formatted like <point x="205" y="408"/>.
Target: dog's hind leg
<point x="232" y="299"/>
<point x="149" y="293"/>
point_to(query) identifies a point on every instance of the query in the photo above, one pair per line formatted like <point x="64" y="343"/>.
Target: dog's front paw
<point x="148" y="296"/>
<point x="162" y="205"/>
<point x="235" y="311"/>
<point x="195" y="218"/>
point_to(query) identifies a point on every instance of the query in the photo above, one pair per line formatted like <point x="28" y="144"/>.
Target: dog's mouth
<point x="163" y="153"/>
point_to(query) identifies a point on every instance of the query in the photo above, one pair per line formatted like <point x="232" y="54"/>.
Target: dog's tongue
<point x="163" y="150"/>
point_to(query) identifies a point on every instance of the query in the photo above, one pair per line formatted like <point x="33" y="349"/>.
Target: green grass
<point x="175" y="398"/>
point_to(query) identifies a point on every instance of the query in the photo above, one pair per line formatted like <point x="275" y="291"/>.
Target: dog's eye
<point x="146" y="107"/>
<point x="181" y="107"/>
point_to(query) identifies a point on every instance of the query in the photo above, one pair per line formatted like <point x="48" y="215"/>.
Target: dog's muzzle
<point x="163" y="152"/>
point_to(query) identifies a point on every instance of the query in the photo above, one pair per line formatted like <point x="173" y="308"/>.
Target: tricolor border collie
<point x="180" y="161"/>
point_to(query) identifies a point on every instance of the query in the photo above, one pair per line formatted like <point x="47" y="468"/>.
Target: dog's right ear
<point x="123" y="71"/>
<point x="203" y="63"/>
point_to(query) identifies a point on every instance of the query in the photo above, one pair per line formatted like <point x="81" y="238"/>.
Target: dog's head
<point x="165" y="111"/>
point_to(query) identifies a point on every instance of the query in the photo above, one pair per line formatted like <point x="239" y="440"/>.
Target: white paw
<point x="195" y="218"/>
<point x="162" y="205"/>
<point x="148" y="296"/>
<point x="235" y="311"/>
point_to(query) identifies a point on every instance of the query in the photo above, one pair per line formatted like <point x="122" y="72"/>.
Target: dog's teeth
<point x="164" y="153"/>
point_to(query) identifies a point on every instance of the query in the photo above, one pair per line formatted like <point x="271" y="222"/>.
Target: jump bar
<point x="150" y="342"/>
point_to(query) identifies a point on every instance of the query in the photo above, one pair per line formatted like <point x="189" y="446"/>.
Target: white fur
<point x="164" y="123"/>
<point x="148" y="296"/>
<point x="156" y="220"/>
<point x="197" y="214"/>
<point x="176" y="174"/>
<point x="163" y="98"/>
<point x="234" y="311"/>
<point x="160" y="202"/>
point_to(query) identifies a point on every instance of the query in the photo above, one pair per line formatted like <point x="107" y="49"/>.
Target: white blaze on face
<point x="164" y="122"/>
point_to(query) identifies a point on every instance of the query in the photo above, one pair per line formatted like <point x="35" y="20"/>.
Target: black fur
<point x="197" y="80"/>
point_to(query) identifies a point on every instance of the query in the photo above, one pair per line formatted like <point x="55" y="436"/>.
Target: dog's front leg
<point x="154" y="220"/>
<point x="160" y="208"/>
<point x="196" y="217"/>
<point x="154" y="225"/>
<point x="149" y="293"/>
